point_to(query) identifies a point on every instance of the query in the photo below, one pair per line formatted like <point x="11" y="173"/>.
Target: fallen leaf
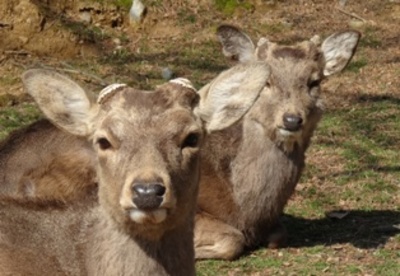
<point x="337" y="214"/>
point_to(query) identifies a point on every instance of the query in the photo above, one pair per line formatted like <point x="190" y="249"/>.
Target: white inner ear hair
<point x="183" y="82"/>
<point x="109" y="91"/>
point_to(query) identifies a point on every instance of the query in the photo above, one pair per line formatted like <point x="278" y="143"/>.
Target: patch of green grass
<point x="229" y="6"/>
<point x="356" y="65"/>
<point x="275" y="28"/>
<point x="186" y="17"/>
<point x="205" y="57"/>
<point x="9" y="80"/>
<point x="12" y="118"/>
<point x="90" y="34"/>
<point x="371" y="146"/>
<point x="353" y="269"/>
<point x="118" y="57"/>
<point x="389" y="264"/>
<point x="370" y="38"/>
<point x="10" y="99"/>
<point x="126" y="4"/>
<point x="314" y="260"/>
<point x="258" y="261"/>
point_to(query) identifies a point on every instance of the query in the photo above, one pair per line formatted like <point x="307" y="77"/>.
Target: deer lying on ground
<point x="146" y="147"/>
<point x="250" y="169"/>
<point x="267" y="109"/>
<point x="44" y="162"/>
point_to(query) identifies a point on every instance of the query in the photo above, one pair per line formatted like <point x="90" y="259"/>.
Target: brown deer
<point x="251" y="167"/>
<point x="147" y="148"/>
<point x="267" y="109"/>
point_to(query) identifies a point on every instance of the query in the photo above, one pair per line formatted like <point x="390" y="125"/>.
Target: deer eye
<point x="191" y="141"/>
<point x="313" y="83"/>
<point x="103" y="143"/>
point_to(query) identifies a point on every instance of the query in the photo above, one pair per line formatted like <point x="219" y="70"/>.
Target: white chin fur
<point x="287" y="133"/>
<point x="142" y="217"/>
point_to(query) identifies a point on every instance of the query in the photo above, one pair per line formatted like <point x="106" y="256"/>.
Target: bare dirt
<point x="36" y="32"/>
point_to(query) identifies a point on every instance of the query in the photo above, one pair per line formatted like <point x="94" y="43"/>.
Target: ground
<point x="344" y="218"/>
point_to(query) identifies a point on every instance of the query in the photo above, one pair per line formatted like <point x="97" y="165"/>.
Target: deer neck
<point x="110" y="250"/>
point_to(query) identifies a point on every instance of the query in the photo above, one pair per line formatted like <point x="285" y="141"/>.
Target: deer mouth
<point x="148" y="216"/>
<point x="147" y="206"/>
<point x="144" y="214"/>
<point x="289" y="132"/>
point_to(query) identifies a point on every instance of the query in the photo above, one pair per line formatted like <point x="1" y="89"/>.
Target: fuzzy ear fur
<point x="62" y="100"/>
<point x="235" y="43"/>
<point x="338" y="50"/>
<point x="229" y="96"/>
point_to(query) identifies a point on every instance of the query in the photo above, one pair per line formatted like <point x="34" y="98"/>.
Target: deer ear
<point x="235" y="43"/>
<point x="228" y="97"/>
<point x="63" y="101"/>
<point x="338" y="50"/>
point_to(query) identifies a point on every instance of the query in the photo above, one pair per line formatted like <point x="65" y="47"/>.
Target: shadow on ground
<point x="362" y="229"/>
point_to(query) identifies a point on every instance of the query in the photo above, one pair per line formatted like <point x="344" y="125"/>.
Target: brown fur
<point x="147" y="142"/>
<point x="41" y="161"/>
<point x="250" y="170"/>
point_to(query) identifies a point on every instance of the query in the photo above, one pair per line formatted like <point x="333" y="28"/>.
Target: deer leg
<point x="214" y="239"/>
<point x="277" y="237"/>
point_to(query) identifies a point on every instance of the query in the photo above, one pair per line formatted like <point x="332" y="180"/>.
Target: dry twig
<point x="17" y="53"/>
<point x="23" y="66"/>
<point x="352" y="14"/>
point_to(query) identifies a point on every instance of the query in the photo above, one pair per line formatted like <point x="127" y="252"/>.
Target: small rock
<point x="117" y="41"/>
<point x="85" y="17"/>
<point x="24" y="39"/>
<point x="342" y="3"/>
<point x="167" y="73"/>
<point x="137" y="11"/>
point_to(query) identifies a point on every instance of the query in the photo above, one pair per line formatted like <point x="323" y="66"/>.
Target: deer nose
<point x="292" y="122"/>
<point x="148" y="196"/>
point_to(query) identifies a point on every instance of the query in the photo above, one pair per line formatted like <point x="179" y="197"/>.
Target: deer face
<point x="290" y="106"/>
<point x="148" y="147"/>
<point x="146" y="142"/>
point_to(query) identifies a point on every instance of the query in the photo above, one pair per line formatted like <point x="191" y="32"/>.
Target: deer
<point x="147" y="153"/>
<point x="267" y="108"/>
<point x="252" y="165"/>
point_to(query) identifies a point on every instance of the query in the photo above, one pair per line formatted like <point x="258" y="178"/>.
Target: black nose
<point x="148" y="195"/>
<point x="292" y="122"/>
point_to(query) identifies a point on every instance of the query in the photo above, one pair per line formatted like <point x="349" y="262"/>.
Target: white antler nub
<point x="183" y="82"/>
<point x="109" y="91"/>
